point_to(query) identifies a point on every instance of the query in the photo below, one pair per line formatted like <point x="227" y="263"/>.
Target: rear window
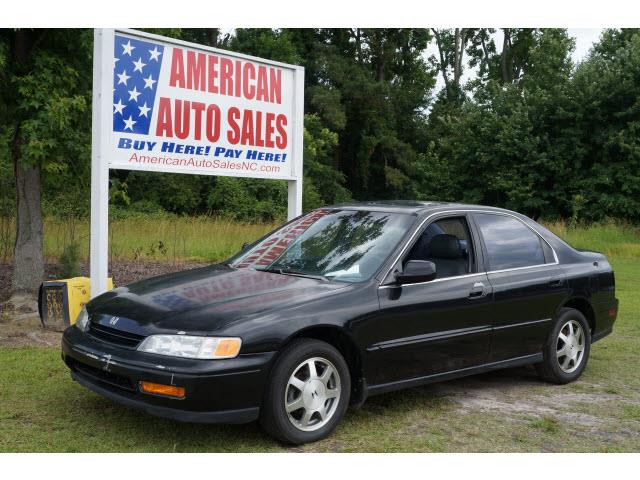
<point x="509" y="243"/>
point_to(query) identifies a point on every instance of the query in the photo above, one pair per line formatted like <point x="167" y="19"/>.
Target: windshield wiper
<point x="287" y="271"/>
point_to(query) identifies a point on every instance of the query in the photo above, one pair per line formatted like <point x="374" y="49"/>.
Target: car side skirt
<point x="600" y="335"/>
<point x="463" y="372"/>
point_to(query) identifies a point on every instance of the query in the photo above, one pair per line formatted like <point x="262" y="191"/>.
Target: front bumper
<point x="217" y="391"/>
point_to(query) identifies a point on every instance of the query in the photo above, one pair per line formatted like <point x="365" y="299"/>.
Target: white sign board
<point x="165" y="105"/>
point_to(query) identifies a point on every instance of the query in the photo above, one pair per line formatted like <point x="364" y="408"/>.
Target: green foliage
<point x="550" y="142"/>
<point x="248" y="199"/>
<point x="45" y="111"/>
<point x="323" y="184"/>
<point x="275" y="44"/>
<point x="368" y="86"/>
<point x="532" y="131"/>
<point x="119" y="193"/>
<point x="605" y="106"/>
<point x="175" y="193"/>
<point x="70" y="260"/>
<point x="142" y="209"/>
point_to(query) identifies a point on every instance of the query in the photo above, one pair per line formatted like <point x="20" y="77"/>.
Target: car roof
<point x="414" y="207"/>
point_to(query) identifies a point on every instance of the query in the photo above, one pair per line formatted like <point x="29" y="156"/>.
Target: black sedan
<point x="340" y="304"/>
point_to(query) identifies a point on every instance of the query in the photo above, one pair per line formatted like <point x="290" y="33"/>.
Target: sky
<point x="585" y="37"/>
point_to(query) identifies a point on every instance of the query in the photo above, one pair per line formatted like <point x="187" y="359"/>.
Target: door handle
<point x="478" y="290"/>
<point x="558" y="282"/>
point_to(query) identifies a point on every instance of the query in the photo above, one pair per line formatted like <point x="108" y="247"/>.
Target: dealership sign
<point x="184" y="109"/>
<point x="165" y="105"/>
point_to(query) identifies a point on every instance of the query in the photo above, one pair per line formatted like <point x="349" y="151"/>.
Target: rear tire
<point x="308" y="392"/>
<point x="567" y="349"/>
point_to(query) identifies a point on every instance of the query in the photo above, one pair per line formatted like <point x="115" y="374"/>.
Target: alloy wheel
<point x="570" y="346"/>
<point x="312" y="394"/>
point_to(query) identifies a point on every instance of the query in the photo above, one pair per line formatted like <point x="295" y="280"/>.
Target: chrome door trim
<point x="521" y="324"/>
<point x="428" y="337"/>
<point x="431" y="281"/>
<point x="435" y="336"/>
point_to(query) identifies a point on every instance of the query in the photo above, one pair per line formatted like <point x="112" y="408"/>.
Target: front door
<point x="433" y="327"/>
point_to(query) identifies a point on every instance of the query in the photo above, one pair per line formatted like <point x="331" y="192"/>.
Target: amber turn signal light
<point x="160" y="389"/>
<point x="228" y="348"/>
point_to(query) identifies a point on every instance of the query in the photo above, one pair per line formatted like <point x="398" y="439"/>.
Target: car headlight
<point x="82" y="322"/>
<point x="189" y="346"/>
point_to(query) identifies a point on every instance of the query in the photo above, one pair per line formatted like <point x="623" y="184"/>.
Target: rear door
<point x="528" y="285"/>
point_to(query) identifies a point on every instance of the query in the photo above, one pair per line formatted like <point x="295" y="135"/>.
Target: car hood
<point x="203" y="300"/>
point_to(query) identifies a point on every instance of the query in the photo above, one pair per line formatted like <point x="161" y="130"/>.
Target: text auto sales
<point x="182" y="119"/>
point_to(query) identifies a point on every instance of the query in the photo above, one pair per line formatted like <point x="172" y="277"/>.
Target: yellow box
<point x="60" y="301"/>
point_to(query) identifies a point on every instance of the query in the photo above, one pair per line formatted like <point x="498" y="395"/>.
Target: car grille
<point x="114" y="336"/>
<point x="102" y="376"/>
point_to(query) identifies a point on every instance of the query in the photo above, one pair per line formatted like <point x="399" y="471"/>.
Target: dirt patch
<point x="27" y="335"/>
<point x="23" y="328"/>
<point x="518" y="393"/>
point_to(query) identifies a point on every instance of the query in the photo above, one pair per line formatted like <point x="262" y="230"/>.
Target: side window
<point x="447" y="243"/>
<point x="509" y="243"/>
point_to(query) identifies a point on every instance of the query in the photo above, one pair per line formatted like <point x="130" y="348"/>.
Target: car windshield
<point x="343" y="245"/>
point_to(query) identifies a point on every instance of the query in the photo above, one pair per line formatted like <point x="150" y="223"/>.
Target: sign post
<point x="165" y="105"/>
<point x="100" y="130"/>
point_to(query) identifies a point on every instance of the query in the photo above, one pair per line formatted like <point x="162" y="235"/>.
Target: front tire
<point x="308" y="393"/>
<point x="567" y="350"/>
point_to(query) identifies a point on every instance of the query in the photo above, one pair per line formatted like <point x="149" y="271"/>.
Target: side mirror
<point x="245" y="245"/>
<point x="416" y="271"/>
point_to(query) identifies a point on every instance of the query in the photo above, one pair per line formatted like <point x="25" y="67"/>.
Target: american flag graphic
<point x="136" y="68"/>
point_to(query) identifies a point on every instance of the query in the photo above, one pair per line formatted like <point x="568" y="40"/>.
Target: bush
<point x="70" y="260"/>
<point x="142" y="209"/>
<point x="248" y="199"/>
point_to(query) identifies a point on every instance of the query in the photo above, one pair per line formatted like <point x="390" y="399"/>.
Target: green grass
<point x="546" y="424"/>
<point x="212" y="239"/>
<point x="159" y="239"/>
<point x="615" y="239"/>
<point x="42" y="410"/>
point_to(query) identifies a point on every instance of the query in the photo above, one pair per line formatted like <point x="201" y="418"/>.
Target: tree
<point x="505" y="145"/>
<point x="530" y="132"/>
<point x="481" y="50"/>
<point x="371" y="86"/>
<point x="603" y="108"/>
<point x="451" y="45"/>
<point x="323" y="184"/>
<point x="44" y="106"/>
